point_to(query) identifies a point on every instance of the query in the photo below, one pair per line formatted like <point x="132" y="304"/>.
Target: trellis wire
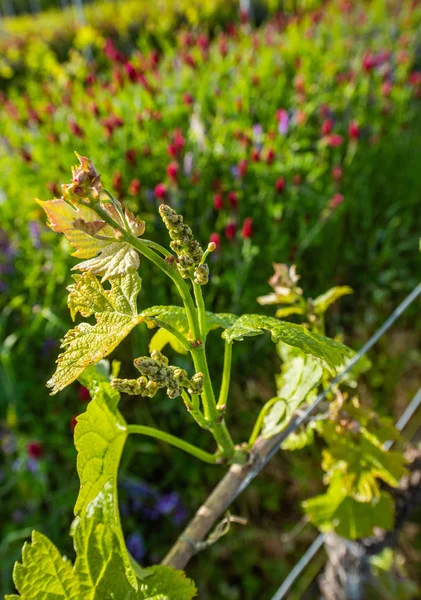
<point x="407" y="415"/>
<point x="409" y="412"/>
<point x="299" y="420"/>
<point x="299" y="567"/>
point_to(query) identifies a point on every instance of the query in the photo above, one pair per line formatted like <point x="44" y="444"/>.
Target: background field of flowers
<point x="293" y="137"/>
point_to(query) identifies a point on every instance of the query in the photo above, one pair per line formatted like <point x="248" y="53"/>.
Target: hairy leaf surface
<point x="115" y="313"/>
<point x="80" y="224"/>
<point x="332" y="352"/>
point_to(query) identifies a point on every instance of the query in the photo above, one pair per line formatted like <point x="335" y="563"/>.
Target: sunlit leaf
<point x="339" y="512"/>
<point x="83" y="228"/>
<point x="361" y="457"/>
<point x="176" y="317"/>
<point x="332" y="352"/>
<point x="300" y="374"/>
<point x="44" y="574"/>
<point x="286" y="311"/>
<point x="322" y="302"/>
<point x="116" y="315"/>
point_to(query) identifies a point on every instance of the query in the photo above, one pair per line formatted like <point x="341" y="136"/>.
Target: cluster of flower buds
<point x="156" y="374"/>
<point x="188" y="251"/>
<point x="85" y="182"/>
<point x="136" y="387"/>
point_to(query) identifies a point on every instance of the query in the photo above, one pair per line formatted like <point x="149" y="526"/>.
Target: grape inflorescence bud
<point x="188" y="250"/>
<point x="156" y="374"/>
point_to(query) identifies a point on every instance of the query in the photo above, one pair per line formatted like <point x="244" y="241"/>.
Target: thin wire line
<point x="407" y="415"/>
<point x="299" y="567"/>
<point x="297" y="421"/>
<point x="316" y="545"/>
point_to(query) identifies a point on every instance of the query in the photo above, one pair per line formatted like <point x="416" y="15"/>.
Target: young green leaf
<point x="337" y="511"/>
<point x="332" y="352"/>
<point x="165" y="583"/>
<point x="175" y="316"/>
<point x="300" y="374"/>
<point x="286" y="311"/>
<point x="360" y="459"/>
<point x="322" y="302"/>
<point x="100" y="435"/>
<point x="115" y="313"/>
<point x="44" y="574"/>
<point x="93" y="238"/>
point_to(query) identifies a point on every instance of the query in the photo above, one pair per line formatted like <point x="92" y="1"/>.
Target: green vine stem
<point x="171" y="272"/>
<point x="226" y="376"/>
<point x="196" y="320"/>
<point x="259" y="422"/>
<point x="183" y="341"/>
<point x="193" y="406"/>
<point x="201" y="310"/>
<point x="174" y="441"/>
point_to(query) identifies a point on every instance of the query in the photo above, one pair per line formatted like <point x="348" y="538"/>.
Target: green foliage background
<point x="212" y="92"/>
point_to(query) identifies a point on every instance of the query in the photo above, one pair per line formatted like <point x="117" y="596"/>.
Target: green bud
<point x="151" y="389"/>
<point x="188" y="250"/>
<point x="134" y="387"/>
<point x="196" y="384"/>
<point x="201" y="274"/>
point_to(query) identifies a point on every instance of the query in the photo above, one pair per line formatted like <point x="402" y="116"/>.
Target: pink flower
<point x="223" y="46"/>
<point x="255" y="155"/>
<point x="76" y="130"/>
<point x="216" y="239"/>
<point x="327" y="126"/>
<point x="242" y="167"/>
<point x="270" y="156"/>
<point x="230" y="230"/>
<point x="247" y="229"/>
<point x="386" y="88"/>
<point x="35" y="450"/>
<point x="178" y="140"/>
<point x="337" y="172"/>
<point x="172" y="170"/>
<point x="218" y="202"/>
<point x="233" y="199"/>
<point x="415" y="78"/>
<point x="131" y="155"/>
<point x="117" y="181"/>
<point x="299" y="84"/>
<point x="160" y="191"/>
<point x="131" y="72"/>
<point x="336" y="201"/>
<point x="334" y="140"/>
<point x="354" y="130"/>
<point x="368" y="62"/>
<point x="188" y="99"/>
<point x="134" y="187"/>
<point x="83" y="394"/>
<point x="280" y="185"/>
